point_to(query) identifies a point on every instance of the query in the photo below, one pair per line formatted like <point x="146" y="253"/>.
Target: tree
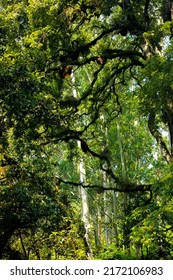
<point x="117" y="53"/>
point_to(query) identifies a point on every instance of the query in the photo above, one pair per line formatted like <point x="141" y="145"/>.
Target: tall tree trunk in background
<point x="107" y="198"/>
<point x="84" y="197"/>
<point x="126" y="228"/>
<point x="115" y="226"/>
<point x="107" y="211"/>
<point x="98" y="226"/>
<point x="85" y="209"/>
<point x="99" y="221"/>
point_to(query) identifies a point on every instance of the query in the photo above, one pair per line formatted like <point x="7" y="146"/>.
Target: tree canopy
<point x="86" y="95"/>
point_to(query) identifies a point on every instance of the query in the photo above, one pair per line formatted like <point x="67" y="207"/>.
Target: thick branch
<point x="129" y="187"/>
<point x="108" y="54"/>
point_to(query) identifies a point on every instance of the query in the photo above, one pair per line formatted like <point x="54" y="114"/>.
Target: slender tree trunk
<point x="85" y="210"/>
<point x="115" y="226"/>
<point x="84" y="197"/>
<point x="107" y="211"/>
<point x="106" y="196"/>
<point x="23" y="246"/>
<point x="126" y="228"/>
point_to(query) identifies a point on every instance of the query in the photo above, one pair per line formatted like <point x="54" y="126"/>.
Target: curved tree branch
<point x="158" y="136"/>
<point x="123" y="188"/>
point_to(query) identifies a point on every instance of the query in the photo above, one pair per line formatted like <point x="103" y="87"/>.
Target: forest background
<point x="86" y="129"/>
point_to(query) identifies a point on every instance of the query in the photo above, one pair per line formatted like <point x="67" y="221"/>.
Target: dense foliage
<point x="86" y="129"/>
